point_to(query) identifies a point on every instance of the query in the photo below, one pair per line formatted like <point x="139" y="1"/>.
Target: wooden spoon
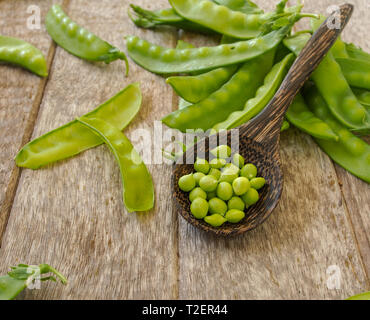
<point x="259" y="138"/>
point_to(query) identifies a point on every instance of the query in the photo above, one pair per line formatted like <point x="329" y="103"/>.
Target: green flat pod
<point x="22" y="53"/>
<point x="169" y="61"/>
<point x="230" y="97"/>
<point x="363" y="96"/>
<point x="355" y="52"/>
<point x="137" y="184"/>
<point x="79" y="41"/>
<point x="301" y="116"/>
<point x="356" y="72"/>
<point x="263" y="95"/>
<point x="245" y="6"/>
<point x="361" y="296"/>
<point x="73" y="138"/>
<point x="350" y="152"/>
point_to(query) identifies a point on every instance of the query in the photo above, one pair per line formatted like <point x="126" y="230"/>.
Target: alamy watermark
<point x="34" y="20"/>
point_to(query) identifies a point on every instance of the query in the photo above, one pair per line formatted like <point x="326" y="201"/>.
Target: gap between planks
<point x="30" y="126"/>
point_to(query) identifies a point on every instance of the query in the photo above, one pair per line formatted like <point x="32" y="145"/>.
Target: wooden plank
<point x="21" y="94"/>
<point x="71" y="214"/>
<point x="296" y="254"/>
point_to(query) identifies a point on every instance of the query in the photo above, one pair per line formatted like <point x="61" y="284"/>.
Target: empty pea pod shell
<point x="22" y="53"/>
<point x="197" y="88"/>
<point x="263" y="95"/>
<point x="73" y="138"/>
<point x="168" y="61"/>
<point x="138" y="190"/>
<point x="351" y="152"/>
<point x="356" y="72"/>
<point x="302" y="117"/>
<point x="78" y="41"/>
<point x="220" y="18"/>
<point x="230" y="97"/>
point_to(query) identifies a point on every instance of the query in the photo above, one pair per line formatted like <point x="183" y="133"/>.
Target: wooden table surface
<point x="316" y="244"/>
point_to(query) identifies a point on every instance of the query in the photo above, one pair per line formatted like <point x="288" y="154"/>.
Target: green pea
<point x="197" y="176"/>
<point x="211" y="195"/>
<point x="217" y="163"/>
<point x="238" y="160"/>
<point x="215" y="220"/>
<point x="215" y="172"/>
<point x="222" y="152"/>
<point x="241" y="185"/>
<point x="199" y="208"/>
<point x="232" y="167"/>
<point x="197" y="193"/>
<point x="249" y="171"/>
<point x="224" y="191"/>
<point x="257" y="183"/>
<point x="251" y="197"/>
<point x="228" y="176"/>
<point x="236" y="203"/>
<point x="234" y="216"/>
<point x="208" y="183"/>
<point x="201" y="165"/>
<point x="216" y="205"/>
<point x="187" y="183"/>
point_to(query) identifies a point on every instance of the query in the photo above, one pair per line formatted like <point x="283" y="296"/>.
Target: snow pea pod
<point x="197" y="88"/>
<point x="168" y="61"/>
<point x="138" y="190"/>
<point x="356" y="72"/>
<point x="355" y="52"/>
<point x="363" y="96"/>
<point x="334" y="88"/>
<point x="350" y="152"/>
<point x="245" y="6"/>
<point x="263" y="95"/>
<point x="73" y="138"/>
<point x="230" y="97"/>
<point x="78" y="41"/>
<point x="360" y="296"/>
<point x="22" y="53"/>
<point x="22" y="276"/>
<point x="303" y="118"/>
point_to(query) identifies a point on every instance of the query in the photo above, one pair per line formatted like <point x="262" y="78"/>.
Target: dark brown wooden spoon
<point x="259" y="138"/>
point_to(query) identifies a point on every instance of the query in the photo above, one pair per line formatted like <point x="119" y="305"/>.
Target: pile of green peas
<point x="222" y="189"/>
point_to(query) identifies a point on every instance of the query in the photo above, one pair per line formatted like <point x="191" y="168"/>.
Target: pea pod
<point x="22" y="53"/>
<point x="350" y="152"/>
<point x="263" y="95"/>
<point x="197" y="88"/>
<point x="355" y="52"/>
<point x="22" y="276"/>
<point x="168" y="61"/>
<point x="138" y="191"/>
<point x="334" y="88"/>
<point x="303" y="118"/>
<point x="356" y="72"/>
<point x="339" y="49"/>
<point x="363" y="96"/>
<point x="361" y="296"/>
<point x="230" y="97"/>
<point x="73" y="138"/>
<point x="245" y="6"/>
<point x="78" y="41"/>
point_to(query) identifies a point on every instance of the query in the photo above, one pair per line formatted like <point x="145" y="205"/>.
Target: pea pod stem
<point x="137" y="184"/>
<point x="78" y="41"/>
<point x="72" y="138"/>
<point x="22" y="53"/>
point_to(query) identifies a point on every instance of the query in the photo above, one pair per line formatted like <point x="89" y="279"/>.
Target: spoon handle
<point x="266" y="126"/>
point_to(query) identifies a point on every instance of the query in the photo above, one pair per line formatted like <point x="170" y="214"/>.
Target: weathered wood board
<point x="71" y="214"/>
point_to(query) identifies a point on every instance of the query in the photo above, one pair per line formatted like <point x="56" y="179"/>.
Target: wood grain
<point x="21" y="94"/>
<point x="71" y="214"/>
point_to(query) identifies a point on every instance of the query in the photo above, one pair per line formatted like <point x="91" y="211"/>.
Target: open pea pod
<point x="262" y="97"/>
<point x="78" y="41"/>
<point x="22" y="276"/>
<point x="22" y="53"/>
<point x="169" y="61"/>
<point x="73" y="138"/>
<point x="304" y="119"/>
<point x="138" y="190"/>
<point x="334" y="88"/>
<point x="230" y="97"/>
<point x="356" y="72"/>
<point x="350" y="152"/>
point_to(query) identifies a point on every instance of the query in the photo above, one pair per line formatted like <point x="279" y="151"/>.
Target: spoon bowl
<point x="259" y="138"/>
